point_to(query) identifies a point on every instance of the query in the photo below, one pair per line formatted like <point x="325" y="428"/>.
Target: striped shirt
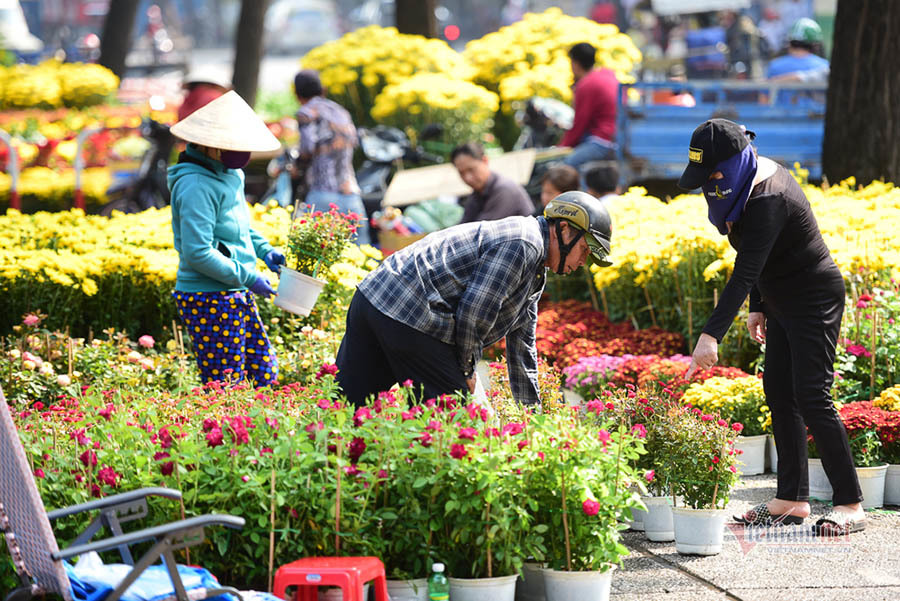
<point x="469" y="286"/>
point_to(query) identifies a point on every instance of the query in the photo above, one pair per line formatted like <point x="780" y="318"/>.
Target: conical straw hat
<point x="227" y="123"/>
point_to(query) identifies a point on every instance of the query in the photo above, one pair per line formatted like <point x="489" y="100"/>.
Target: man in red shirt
<point x="594" y="129"/>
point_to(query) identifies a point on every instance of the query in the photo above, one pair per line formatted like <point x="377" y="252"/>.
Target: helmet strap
<point x="565" y="249"/>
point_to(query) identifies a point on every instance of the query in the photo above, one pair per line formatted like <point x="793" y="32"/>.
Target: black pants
<point x="378" y="351"/>
<point x="801" y="334"/>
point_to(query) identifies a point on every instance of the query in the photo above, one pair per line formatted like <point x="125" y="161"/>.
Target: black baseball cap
<point x="711" y="143"/>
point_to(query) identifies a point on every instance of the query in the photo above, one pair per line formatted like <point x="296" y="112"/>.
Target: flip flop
<point x="836" y="523"/>
<point x="761" y="516"/>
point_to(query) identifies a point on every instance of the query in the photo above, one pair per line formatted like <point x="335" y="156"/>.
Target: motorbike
<point x="386" y="149"/>
<point x="543" y="122"/>
<point x="148" y="189"/>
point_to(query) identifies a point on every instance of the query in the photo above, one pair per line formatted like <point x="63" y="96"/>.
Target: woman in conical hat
<point x="217" y="248"/>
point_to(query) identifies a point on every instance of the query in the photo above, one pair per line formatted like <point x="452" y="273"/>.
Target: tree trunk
<point x="116" y="39"/>
<point x="862" y="118"/>
<point x="416" y="17"/>
<point x="248" y="48"/>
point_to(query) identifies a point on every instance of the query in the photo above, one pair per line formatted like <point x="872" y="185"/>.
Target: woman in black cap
<point x="796" y="303"/>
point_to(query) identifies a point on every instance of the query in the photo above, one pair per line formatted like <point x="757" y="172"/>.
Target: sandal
<point x="761" y="516"/>
<point x="837" y="523"/>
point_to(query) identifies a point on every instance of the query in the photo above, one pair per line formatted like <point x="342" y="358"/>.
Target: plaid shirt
<point x="469" y="286"/>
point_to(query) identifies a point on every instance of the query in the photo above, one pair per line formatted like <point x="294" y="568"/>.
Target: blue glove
<point x="262" y="287"/>
<point x="274" y="260"/>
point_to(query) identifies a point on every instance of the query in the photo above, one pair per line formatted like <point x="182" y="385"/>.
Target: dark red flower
<point x="108" y="476"/>
<point x="215" y="437"/>
<point x="458" y="451"/>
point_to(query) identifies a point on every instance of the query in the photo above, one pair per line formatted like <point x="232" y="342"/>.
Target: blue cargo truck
<point x="653" y="135"/>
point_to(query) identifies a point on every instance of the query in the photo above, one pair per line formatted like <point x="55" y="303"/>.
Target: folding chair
<point x="33" y="546"/>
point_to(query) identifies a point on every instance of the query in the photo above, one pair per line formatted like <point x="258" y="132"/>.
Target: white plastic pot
<point x="530" y="586"/>
<point x="408" y="590"/>
<point x="871" y="483"/>
<point x="297" y="292"/>
<point x="753" y="459"/>
<point x="819" y="485"/>
<point x="637" y="524"/>
<point x="336" y="594"/>
<point x="502" y="588"/>
<point x="773" y="455"/>
<point x="577" y="586"/>
<point x="892" y="485"/>
<point x="658" y="525"/>
<point x="698" y="531"/>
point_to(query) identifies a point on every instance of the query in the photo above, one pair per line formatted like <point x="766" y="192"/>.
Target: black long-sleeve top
<point x="777" y="240"/>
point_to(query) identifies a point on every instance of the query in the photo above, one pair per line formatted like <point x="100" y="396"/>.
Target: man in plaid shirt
<point x="428" y="310"/>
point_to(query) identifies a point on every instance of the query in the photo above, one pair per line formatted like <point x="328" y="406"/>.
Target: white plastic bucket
<point x="297" y="292"/>
<point x="698" y="531"/>
<point x="337" y="594"/>
<point x="892" y="485"/>
<point x="871" y="483"/>
<point x="658" y="525"/>
<point x="819" y="485"/>
<point x="753" y="459"/>
<point x="580" y="586"/>
<point x="773" y="454"/>
<point x="530" y="586"/>
<point x="502" y="588"/>
<point x="408" y="590"/>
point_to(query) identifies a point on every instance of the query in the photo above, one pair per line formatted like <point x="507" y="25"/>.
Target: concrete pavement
<point x="863" y="567"/>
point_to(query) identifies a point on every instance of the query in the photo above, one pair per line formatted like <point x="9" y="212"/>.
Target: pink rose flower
<point x="31" y="320"/>
<point x="590" y="507"/>
<point x="146" y="341"/>
<point x="468" y="433"/>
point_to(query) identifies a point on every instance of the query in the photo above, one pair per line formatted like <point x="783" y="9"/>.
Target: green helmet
<point x="588" y="215"/>
<point x="805" y="30"/>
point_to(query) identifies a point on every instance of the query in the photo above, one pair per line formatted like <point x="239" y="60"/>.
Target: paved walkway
<point x="863" y="567"/>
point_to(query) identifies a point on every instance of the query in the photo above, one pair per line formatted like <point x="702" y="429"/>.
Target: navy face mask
<point x="235" y="159"/>
<point x="727" y="197"/>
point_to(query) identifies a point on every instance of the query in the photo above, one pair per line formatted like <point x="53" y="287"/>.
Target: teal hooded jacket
<point x="217" y="248"/>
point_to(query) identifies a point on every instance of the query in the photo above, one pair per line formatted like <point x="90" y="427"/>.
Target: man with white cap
<point x="217" y="248"/>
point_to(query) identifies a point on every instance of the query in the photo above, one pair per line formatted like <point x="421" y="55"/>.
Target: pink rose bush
<point x="415" y="483"/>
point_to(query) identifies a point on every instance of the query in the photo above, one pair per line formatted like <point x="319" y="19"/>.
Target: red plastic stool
<point x="349" y="573"/>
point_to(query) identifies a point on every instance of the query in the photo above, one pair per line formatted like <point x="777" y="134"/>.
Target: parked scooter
<point x="148" y="189"/>
<point x="543" y="122"/>
<point x="386" y="149"/>
<point x="287" y="174"/>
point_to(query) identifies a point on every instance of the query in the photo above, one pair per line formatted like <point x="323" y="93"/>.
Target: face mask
<point x="235" y="159"/>
<point x="726" y="197"/>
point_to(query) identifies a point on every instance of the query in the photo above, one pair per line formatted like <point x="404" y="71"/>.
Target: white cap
<point x="437" y="567"/>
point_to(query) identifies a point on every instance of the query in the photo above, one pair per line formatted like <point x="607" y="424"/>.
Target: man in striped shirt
<point x="428" y="310"/>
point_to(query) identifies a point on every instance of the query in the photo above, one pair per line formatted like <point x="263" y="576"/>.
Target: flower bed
<point x="53" y="84"/>
<point x="359" y="65"/>
<point x="668" y="258"/>
<point x="465" y="110"/>
<point x="313" y="477"/>
<point x="90" y="273"/>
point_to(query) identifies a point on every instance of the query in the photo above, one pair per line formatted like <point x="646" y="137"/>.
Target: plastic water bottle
<point x="438" y="587"/>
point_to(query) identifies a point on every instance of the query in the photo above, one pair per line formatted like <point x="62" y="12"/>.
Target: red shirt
<point x="595" y="107"/>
